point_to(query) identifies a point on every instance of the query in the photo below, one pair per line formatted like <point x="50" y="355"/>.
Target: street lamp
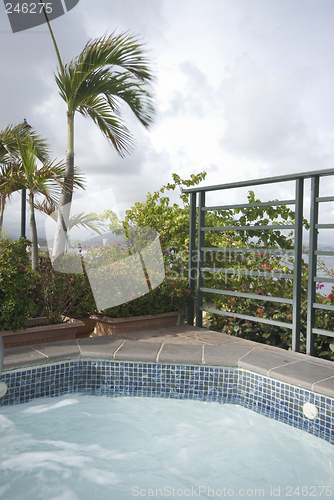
<point x="24" y="198"/>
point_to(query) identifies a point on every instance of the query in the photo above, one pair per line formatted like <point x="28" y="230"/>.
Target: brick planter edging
<point x="112" y="326"/>
<point x="41" y="334"/>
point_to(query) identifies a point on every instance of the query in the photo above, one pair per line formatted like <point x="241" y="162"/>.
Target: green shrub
<point x="60" y="295"/>
<point x="16" y="284"/>
<point x="170" y="295"/>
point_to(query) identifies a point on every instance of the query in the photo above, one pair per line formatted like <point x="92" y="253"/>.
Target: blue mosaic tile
<point x="269" y="397"/>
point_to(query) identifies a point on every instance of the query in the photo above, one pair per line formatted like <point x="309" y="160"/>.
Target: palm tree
<point x="6" y="190"/>
<point x="109" y="70"/>
<point x="47" y="180"/>
<point x="10" y="158"/>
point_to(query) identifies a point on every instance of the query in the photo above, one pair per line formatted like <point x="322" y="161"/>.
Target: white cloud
<point x="264" y="113"/>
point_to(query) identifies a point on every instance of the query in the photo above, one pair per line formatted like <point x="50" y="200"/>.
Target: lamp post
<point x="24" y="198"/>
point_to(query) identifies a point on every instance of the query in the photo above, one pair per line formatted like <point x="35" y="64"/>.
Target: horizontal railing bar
<point x="324" y="226"/>
<point x="324" y="252"/>
<point x="250" y="205"/>
<point x="325" y="198"/>
<point x="326" y="307"/>
<point x="248" y="295"/>
<point x="265" y="180"/>
<point x="319" y="331"/>
<point x="250" y="273"/>
<point x="248" y="318"/>
<point x="248" y="250"/>
<point x="322" y="279"/>
<point x="248" y="228"/>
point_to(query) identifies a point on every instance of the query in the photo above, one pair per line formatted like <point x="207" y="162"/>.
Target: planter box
<point x="112" y="326"/>
<point x="41" y="334"/>
<point x="86" y="329"/>
<point x="36" y="322"/>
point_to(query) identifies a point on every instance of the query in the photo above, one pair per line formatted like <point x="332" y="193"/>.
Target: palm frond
<point x="47" y="207"/>
<point x="9" y="150"/>
<point x="109" y="70"/>
<point x="111" y="126"/>
<point x="79" y="179"/>
<point x="9" y="181"/>
<point x="87" y="221"/>
<point x="123" y="50"/>
<point x="8" y="145"/>
<point x="134" y="95"/>
<point x="42" y="149"/>
<point x="47" y="180"/>
<point x="53" y="172"/>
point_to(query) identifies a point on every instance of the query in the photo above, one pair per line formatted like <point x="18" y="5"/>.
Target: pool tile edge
<point x="276" y="363"/>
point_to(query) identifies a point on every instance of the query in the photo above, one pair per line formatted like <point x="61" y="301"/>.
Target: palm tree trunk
<point x="59" y="244"/>
<point x="61" y="66"/>
<point x="2" y="209"/>
<point x="33" y="234"/>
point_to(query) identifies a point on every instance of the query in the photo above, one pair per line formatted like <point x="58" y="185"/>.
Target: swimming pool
<point x="86" y="447"/>
<point x="270" y="397"/>
<point x="185" y="363"/>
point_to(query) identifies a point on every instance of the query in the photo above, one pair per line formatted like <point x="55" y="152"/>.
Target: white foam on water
<point x="99" y="447"/>
<point x="43" y="408"/>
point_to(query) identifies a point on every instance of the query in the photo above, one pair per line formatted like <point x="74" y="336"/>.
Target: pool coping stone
<point x="185" y="344"/>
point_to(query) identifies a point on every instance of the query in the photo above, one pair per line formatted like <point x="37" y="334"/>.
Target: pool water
<point x="79" y="447"/>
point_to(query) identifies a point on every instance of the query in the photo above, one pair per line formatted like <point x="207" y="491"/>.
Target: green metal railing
<point x="197" y="251"/>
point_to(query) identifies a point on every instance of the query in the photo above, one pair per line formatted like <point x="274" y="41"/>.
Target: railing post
<point x="297" y="267"/>
<point x="312" y="265"/>
<point x="200" y="261"/>
<point x="192" y="257"/>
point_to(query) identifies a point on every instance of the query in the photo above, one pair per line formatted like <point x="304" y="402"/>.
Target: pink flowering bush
<point x="266" y="285"/>
<point x="270" y="287"/>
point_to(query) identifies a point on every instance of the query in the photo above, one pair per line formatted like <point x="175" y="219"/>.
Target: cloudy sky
<point x="244" y="89"/>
